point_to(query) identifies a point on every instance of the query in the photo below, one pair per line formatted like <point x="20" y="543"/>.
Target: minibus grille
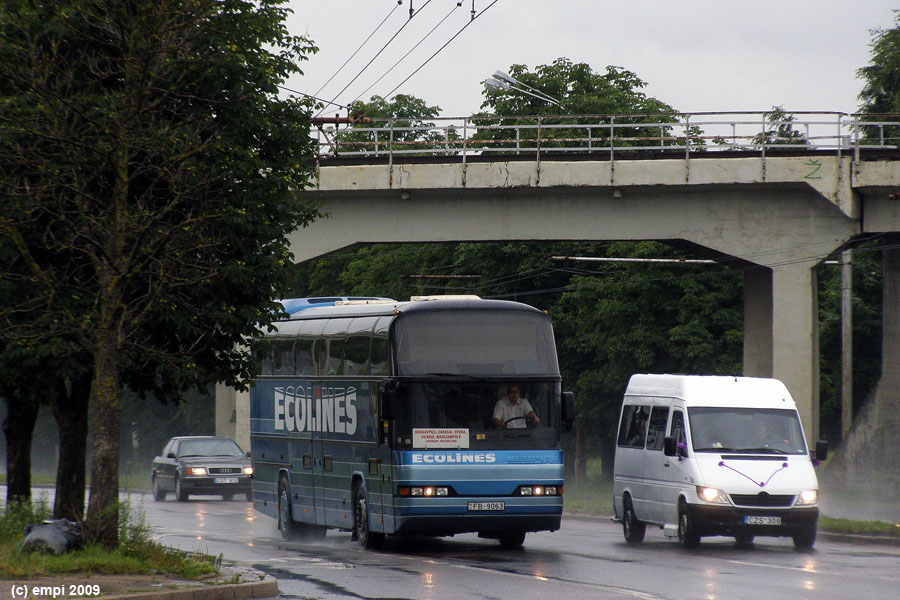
<point x="762" y="499"/>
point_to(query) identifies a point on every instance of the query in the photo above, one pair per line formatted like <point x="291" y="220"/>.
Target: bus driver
<point x="511" y="411"/>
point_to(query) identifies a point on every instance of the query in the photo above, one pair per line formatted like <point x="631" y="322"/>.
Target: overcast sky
<point x="696" y="55"/>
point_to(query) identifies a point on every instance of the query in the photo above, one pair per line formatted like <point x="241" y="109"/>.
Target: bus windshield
<point x="475" y="342"/>
<point x="468" y="408"/>
<point x="746" y="430"/>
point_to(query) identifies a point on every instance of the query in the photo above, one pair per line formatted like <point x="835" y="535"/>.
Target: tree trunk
<point x="580" y="455"/>
<point x="607" y="457"/>
<point x="102" y="523"/>
<point x="71" y="413"/>
<point x="21" y="416"/>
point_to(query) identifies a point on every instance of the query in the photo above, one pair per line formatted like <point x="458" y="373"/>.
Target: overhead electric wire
<point x="366" y="41"/>
<point x="368" y="64"/>
<point x="438" y="51"/>
<point x="287" y="89"/>
<point x="419" y="43"/>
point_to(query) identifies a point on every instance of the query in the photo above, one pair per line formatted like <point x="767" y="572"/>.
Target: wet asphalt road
<point x="587" y="558"/>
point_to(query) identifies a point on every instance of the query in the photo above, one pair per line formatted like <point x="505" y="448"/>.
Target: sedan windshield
<point x="746" y="430"/>
<point x="209" y="448"/>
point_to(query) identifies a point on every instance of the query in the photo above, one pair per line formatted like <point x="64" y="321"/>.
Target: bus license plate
<point x="225" y="480"/>
<point x="487" y="506"/>
<point x="762" y="520"/>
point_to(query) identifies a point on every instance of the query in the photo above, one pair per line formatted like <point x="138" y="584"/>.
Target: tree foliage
<point x="148" y="173"/>
<point x="881" y="78"/>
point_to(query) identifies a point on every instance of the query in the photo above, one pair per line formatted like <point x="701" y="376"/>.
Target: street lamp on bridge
<point x="503" y="82"/>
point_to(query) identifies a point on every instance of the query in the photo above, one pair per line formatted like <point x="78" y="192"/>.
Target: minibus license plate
<point x="225" y="480"/>
<point x="487" y="506"/>
<point x="762" y="520"/>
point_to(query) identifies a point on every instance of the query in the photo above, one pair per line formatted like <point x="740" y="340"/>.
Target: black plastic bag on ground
<point x="56" y="536"/>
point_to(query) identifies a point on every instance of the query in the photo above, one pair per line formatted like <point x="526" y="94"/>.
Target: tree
<point x="613" y="96"/>
<point x="404" y="120"/>
<point x="779" y="131"/>
<point x="881" y="87"/>
<point x="149" y="171"/>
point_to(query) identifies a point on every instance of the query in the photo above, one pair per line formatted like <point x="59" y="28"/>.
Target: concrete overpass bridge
<point x="729" y="186"/>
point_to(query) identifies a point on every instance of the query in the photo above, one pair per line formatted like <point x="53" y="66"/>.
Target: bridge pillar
<point x="795" y="337"/>
<point x="758" y="322"/>
<point x="233" y="415"/>
<point x="781" y="334"/>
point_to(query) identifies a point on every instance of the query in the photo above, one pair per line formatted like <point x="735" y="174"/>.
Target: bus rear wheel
<point x="361" y="532"/>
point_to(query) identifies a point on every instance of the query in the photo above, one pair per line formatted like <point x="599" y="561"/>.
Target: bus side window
<point x="262" y="353"/>
<point x="303" y="357"/>
<point x="380" y="353"/>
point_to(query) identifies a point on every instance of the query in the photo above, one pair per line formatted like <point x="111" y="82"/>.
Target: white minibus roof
<point x="712" y="390"/>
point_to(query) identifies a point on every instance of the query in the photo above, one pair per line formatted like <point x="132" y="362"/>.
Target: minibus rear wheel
<point x="633" y="529"/>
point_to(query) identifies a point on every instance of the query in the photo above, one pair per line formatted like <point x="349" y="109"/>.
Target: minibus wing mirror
<point x="669" y="448"/>
<point x="568" y="409"/>
<point x="821" y="450"/>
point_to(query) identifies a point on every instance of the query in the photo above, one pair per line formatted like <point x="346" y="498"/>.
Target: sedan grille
<point x="762" y="499"/>
<point x="224" y="470"/>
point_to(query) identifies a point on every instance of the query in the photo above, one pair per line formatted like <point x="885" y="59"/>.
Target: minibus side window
<point x="656" y="434"/>
<point x="677" y="428"/>
<point x="633" y="427"/>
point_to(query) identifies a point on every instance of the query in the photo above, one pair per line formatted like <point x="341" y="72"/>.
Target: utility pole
<point x="846" y="342"/>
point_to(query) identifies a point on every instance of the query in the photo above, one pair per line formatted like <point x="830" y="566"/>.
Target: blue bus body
<point x="389" y="431"/>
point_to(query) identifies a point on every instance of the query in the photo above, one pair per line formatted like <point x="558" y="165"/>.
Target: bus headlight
<point x="426" y="491"/>
<point x="807" y="497"/>
<point x="540" y="490"/>
<point x="713" y="495"/>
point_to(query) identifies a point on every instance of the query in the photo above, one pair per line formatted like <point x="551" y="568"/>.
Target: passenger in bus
<point x="511" y="411"/>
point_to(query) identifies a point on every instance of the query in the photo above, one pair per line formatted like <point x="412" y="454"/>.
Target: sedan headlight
<point x="807" y="497"/>
<point x="195" y="471"/>
<point x="248" y="470"/>
<point x="712" y="495"/>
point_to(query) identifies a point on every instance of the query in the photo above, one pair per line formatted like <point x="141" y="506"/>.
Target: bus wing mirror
<point x="388" y="403"/>
<point x="821" y="450"/>
<point x="568" y="408"/>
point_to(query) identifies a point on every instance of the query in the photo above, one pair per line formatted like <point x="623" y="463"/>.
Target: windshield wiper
<point x="460" y="375"/>
<point x="760" y="450"/>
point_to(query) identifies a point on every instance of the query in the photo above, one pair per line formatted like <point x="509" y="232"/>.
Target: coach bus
<point x="381" y="418"/>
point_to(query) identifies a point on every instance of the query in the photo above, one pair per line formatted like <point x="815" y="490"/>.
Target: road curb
<point x="266" y="586"/>
<point x="845" y="538"/>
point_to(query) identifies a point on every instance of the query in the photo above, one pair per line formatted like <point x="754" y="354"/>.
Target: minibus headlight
<point x="195" y="471"/>
<point x="712" y="495"/>
<point x="807" y="497"/>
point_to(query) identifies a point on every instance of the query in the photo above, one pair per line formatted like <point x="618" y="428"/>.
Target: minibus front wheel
<point x="633" y="529"/>
<point x="687" y="531"/>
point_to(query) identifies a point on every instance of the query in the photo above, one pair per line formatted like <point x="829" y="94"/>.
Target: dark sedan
<point x="202" y="466"/>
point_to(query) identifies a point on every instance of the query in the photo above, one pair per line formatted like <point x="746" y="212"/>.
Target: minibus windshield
<point x="746" y="430"/>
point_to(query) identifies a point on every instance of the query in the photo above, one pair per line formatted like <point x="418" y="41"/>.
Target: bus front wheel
<point x="511" y="539"/>
<point x="361" y="532"/>
<point x="289" y="529"/>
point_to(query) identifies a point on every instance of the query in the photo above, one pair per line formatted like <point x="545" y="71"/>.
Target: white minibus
<point x="707" y="455"/>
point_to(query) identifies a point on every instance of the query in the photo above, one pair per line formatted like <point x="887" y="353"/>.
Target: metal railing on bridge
<point x="535" y="137"/>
